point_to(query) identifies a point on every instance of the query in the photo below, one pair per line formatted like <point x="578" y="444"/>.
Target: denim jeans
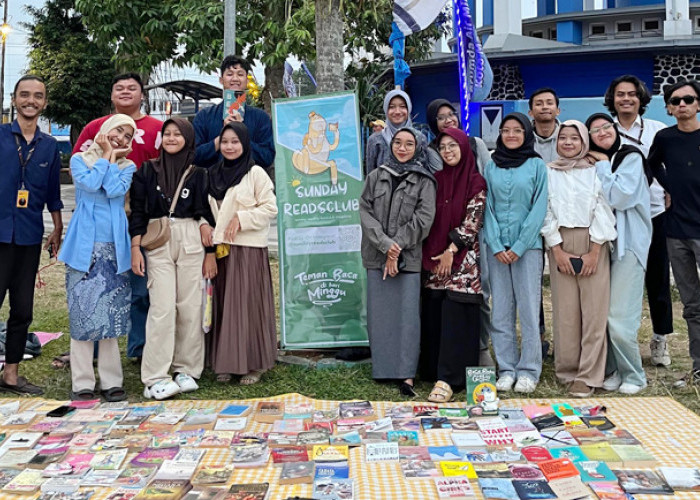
<point x="685" y="257"/>
<point x="516" y="291"/>
<point x="139" y="312"/>
<point x="624" y="319"/>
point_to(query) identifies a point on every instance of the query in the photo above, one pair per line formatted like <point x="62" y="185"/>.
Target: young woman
<point x="244" y="338"/>
<point x="97" y="256"/>
<point x="451" y="295"/>
<point x="625" y="177"/>
<point x="174" y="336"/>
<point x="397" y="207"/>
<point x="577" y="228"/>
<point x="516" y="203"/>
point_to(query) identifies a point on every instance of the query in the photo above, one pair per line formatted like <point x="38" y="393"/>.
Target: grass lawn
<point x="355" y="382"/>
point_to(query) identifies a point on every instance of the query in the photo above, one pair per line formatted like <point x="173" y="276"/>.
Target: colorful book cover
<point x="310" y="438"/>
<point x="153" y="457"/>
<point x="84" y="440"/>
<point x="515" y="420"/>
<point x="440" y="453"/>
<point x="620" y="436"/>
<point x="426" y="410"/>
<point x="463" y="425"/>
<point x="417" y="469"/>
<point x="268" y="411"/>
<point x="279" y="440"/>
<point x="642" y="482"/>
<point x="289" y="426"/>
<point x="333" y="489"/>
<point x="134" y="477"/>
<point x="498" y="470"/>
<point x="403" y="438"/>
<point x="328" y="453"/>
<point x="455" y="488"/>
<point x="290" y="454"/>
<point x="601" y="452"/>
<point x="457" y="468"/>
<point x="479" y="379"/>
<point x="310" y="425"/>
<point x="406" y="424"/>
<point x="340" y="471"/>
<point x="535" y="410"/>
<point x="381" y="452"/>
<point x="379" y="425"/>
<point x="453" y="412"/>
<point x="602" y="423"/>
<point x="234" y="411"/>
<point x="525" y="472"/>
<point x="298" y="411"/>
<point x="27" y="481"/>
<point x="99" y="477"/>
<point x="533" y="489"/>
<point x="108" y="459"/>
<point x="164" y="489"/>
<point x="210" y="474"/>
<point x="587" y="436"/>
<point x="500" y="488"/>
<point x="608" y="491"/>
<point x="122" y="494"/>
<point x="325" y="415"/>
<point x="573" y="453"/>
<point x="79" y="462"/>
<point x="681" y="478"/>
<point x="349" y="438"/>
<point x="48" y="455"/>
<point x="216" y="439"/>
<point x="7" y="474"/>
<point x="253" y="491"/>
<point x="399" y="412"/>
<point x="549" y="421"/>
<point x="250" y="455"/>
<point x="415" y="453"/>
<point x="355" y="409"/>
<point x="297" y="473"/>
<point x="565" y="410"/>
<point x="475" y="456"/>
<point x="558" y="468"/>
<point x="234" y="100"/>
<point x="435" y="423"/>
<point x="593" y="471"/>
<point x="569" y="488"/>
<point x="190" y="455"/>
<point x="634" y="455"/>
<point x="46" y="425"/>
<point x="536" y="453"/>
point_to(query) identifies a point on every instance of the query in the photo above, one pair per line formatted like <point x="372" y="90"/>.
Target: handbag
<point x="158" y="230"/>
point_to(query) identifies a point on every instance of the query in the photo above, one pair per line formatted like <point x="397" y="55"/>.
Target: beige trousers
<point x="580" y="314"/>
<point x="174" y="336"/>
<point x="109" y="364"/>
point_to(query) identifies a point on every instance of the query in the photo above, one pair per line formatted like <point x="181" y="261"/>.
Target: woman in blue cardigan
<point x="97" y="254"/>
<point x="516" y="204"/>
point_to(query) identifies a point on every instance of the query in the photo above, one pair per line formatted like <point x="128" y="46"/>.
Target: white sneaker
<point x="505" y="383"/>
<point x="612" y="383"/>
<point x="525" y="385"/>
<point x="628" y="388"/>
<point x="185" y="382"/>
<point x="163" y="389"/>
<point x="659" y="351"/>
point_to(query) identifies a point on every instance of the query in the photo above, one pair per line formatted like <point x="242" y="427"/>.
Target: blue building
<point x="574" y="48"/>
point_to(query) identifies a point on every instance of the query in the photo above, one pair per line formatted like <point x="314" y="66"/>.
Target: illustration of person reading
<point x="312" y="158"/>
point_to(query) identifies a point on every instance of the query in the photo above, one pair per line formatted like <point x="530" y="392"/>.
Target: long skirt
<point x="99" y="301"/>
<point x="393" y="324"/>
<point x="244" y="335"/>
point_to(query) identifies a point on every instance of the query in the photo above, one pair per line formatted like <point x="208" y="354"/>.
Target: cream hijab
<point x="94" y="152"/>
<point x="580" y="160"/>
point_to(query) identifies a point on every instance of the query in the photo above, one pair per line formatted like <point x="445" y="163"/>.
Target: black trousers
<point x="18" y="267"/>
<point x="658" y="279"/>
<point x="450" y="333"/>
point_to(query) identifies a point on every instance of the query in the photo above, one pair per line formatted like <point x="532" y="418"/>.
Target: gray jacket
<point x="546" y="147"/>
<point x="403" y="218"/>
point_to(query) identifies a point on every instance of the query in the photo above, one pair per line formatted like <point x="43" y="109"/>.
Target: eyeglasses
<point x="444" y="118"/>
<point x="597" y="130"/>
<point x="406" y="145"/>
<point x="453" y="146"/>
<point x="688" y="99"/>
<point x="512" y="131"/>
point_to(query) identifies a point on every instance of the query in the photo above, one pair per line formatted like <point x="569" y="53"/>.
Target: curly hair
<point x="642" y="93"/>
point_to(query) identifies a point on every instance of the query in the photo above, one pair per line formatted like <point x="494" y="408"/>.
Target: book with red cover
<point x="536" y="453"/>
<point x="289" y="454"/>
<point x="558" y="468"/>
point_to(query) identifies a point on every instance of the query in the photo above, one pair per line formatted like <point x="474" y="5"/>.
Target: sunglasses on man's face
<point x="688" y="99"/>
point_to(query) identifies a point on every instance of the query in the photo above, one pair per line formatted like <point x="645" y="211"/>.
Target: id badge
<point x="22" y="198"/>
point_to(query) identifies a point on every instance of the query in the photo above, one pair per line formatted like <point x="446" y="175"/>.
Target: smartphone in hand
<point x="577" y="264"/>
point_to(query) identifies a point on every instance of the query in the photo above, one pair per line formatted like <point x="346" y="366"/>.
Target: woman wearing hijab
<point x="578" y="225"/>
<point x="625" y="177"/>
<point x="516" y="203"/>
<point x="244" y="338"/>
<point x="174" y="336"/>
<point x="97" y="256"/>
<point x="397" y="207"/>
<point x="451" y="295"/>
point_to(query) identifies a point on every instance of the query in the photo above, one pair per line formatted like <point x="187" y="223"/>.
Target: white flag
<point x="413" y="16"/>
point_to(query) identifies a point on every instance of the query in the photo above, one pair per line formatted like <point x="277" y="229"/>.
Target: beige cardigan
<point x="253" y="200"/>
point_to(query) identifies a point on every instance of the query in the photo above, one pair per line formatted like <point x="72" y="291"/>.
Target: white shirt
<point x="643" y="131"/>
<point x="576" y="199"/>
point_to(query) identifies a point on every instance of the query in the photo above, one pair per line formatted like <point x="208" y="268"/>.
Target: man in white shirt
<point x="627" y="98"/>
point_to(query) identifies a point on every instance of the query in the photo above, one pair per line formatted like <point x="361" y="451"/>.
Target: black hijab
<point x="513" y="158"/>
<point x="431" y="114"/>
<point x="228" y="173"/>
<point x="617" y="152"/>
<point x="169" y="168"/>
<point x="415" y="164"/>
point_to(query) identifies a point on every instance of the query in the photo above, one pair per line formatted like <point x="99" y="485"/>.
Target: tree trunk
<point x="329" y="46"/>
<point x="273" y="85"/>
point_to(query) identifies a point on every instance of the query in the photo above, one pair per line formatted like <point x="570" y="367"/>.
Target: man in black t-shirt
<point x="675" y="161"/>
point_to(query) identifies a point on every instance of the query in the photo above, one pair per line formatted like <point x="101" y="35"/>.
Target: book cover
<point x="608" y="491"/>
<point x="435" y="423"/>
<point x="325" y="415"/>
<point x="7" y="474"/>
<point x="506" y="454"/>
<point x="495" y="470"/>
<point x="298" y="411"/>
<point x="234" y="100"/>
<point x="535" y="410"/>
<point x="290" y="454"/>
<point x="569" y="488"/>
<point x="549" y="421"/>
<point x="350" y="424"/>
<point x="515" y="420"/>
<point x="134" y="477"/>
<point x="61" y="485"/>
<point x="536" y="453"/>
<point x="418" y="469"/>
<point x="122" y="494"/>
<point x="310" y="425"/>
<point x="216" y="439"/>
<point x="210" y="474"/>
<point x="21" y="440"/>
<point x="476" y="456"/>
<point x="253" y="491"/>
<point x="642" y="482"/>
<point x="234" y="411"/>
<point x="170" y="469"/>
<point x="634" y="456"/>
<point x="480" y="378"/>
<point x="136" y="442"/>
<point x="681" y="478"/>
<point x="99" y="477"/>
<point x="250" y="438"/>
<point x="565" y="410"/>
<point x="250" y="455"/>
<point x="468" y="440"/>
<point x="403" y="438"/>
<point x="289" y="426"/>
<point x="199" y="417"/>
<point x="440" y="453"/>
<point x="453" y="412"/>
<point x="168" y="417"/>
<point x="620" y="436"/>
<point x="333" y="489"/>
<point x="558" y="468"/>
<point x="205" y="493"/>
<point x="190" y="455"/>
<point x="533" y="489"/>
<point x="268" y="411"/>
<point x="231" y="424"/>
<point x="594" y="471"/>
<point x="498" y="488"/>
<point x="84" y="440"/>
<point x="328" y="453"/>
<point x="463" y="425"/>
<point x="527" y="438"/>
<point x="340" y="470"/>
<point x="426" y="410"/>
<point x="47" y="424"/>
<point x="349" y="439"/>
<point x="356" y="409"/>
<point x="164" y="489"/>
<point x="602" y="423"/>
<point x="108" y="459"/>
<point x="27" y="481"/>
<point x="297" y="473"/>
<point x="415" y="453"/>
<point x="457" y="468"/>
<point x="572" y="421"/>
<point x="495" y="433"/>
<point x="78" y="461"/>
<point x="23" y="418"/>
<point x="587" y="435"/>
<point x="573" y="453"/>
<point x="454" y="488"/>
<point x="525" y="472"/>
<point x="56" y="470"/>
<point x="165" y="440"/>
<point x="399" y="411"/>
<point x="379" y="425"/>
<point x="311" y="438"/>
<point x="554" y="439"/>
<point x="381" y="452"/>
<point x="602" y="452"/>
<point x="279" y="440"/>
<point x="48" y="455"/>
<point x="153" y="457"/>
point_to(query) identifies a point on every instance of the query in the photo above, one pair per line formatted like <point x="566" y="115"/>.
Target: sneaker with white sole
<point x="525" y="385"/>
<point x="612" y="382"/>
<point x="185" y="382"/>
<point x="659" y="351"/>
<point x="163" y="389"/>
<point x="628" y="388"/>
<point x="505" y="383"/>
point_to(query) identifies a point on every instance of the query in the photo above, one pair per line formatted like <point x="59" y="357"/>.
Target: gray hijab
<point x="390" y="130"/>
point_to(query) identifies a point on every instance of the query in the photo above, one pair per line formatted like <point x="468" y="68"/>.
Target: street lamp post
<point x="4" y="31"/>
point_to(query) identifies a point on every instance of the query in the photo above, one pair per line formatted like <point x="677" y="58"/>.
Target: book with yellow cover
<point x="458" y="468"/>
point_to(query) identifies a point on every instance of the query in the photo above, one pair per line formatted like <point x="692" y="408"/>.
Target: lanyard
<point x="638" y="140"/>
<point x="22" y="160"/>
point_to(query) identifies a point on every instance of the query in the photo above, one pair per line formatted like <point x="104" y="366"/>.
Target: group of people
<point x="160" y="209"/>
<point x="454" y="249"/>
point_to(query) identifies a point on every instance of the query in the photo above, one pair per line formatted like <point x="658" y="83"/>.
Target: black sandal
<point x="84" y="395"/>
<point x="114" y="394"/>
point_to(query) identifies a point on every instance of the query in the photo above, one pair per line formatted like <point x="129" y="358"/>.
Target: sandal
<point x="252" y="377"/>
<point x="441" y="393"/>
<point x="84" y="395"/>
<point x="61" y="361"/>
<point x="114" y="394"/>
<point x="224" y="378"/>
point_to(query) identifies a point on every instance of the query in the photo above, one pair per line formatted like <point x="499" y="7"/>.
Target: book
<point x="495" y="433"/>
<point x="168" y="417"/>
<point x="349" y="439"/>
<point x="170" y="469"/>
<point x="205" y="493"/>
<point x="84" y="494"/>
<point x="638" y="482"/>
<point x="136" y="442"/>
<point x="47" y="424"/>
<point x="681" y="478"/>
<point x="403" y="438"/>
<point x="297" y="411"/>
<point x="211" y="474"/>
<point x="527" y="438"/>
<point x="457" y="468"/>
<point x="165" y="440"/>
<point x="27" y="481"/>
<point x="480" y="456"/>
<point x="379" y="425"/>
<point x="506" y="454"/>
<point x="554" y="439"/>
<point x="426" y="410"/>
<point x="440" y="453"/>
<point x="289" y="426"/>
<point x="573" y="453"/>
<point x="311" y="438"/>
<point x="525" y="472"/>
<point x="350" y="424"/>
<point x="500" y="488"/>
<point x="98" y="477"/>
<point x="601" y="422"/>
<point x="602" y="452"/>
<point x="190" y="455"/>
<point x="234" y="100"/>
<point x="122" y="494"/>
<point x="279" y="440"/>
<point x="558" y="468"/>
<point x="134" y="477"/>
<point x="48" y="455"/>
<point x="327" y="488"/>
<point x="463" y="425"/>
<point x="320" y="415"/>
<point x="454" y="488"/>
<point x="534" y="410"/>
<point x="381" y="452"/>
<point x="634" y="456"/>
<point x="252" y="491"/>
<point x="327" y="453"/>
<point x="435" y="423"/>
<point x="109" y="459"/>
<point x="164" y="489"/>
<point x="234" y="410"/>
<point x="399" y="411"/>
<point x="19" y="419"/>
<point x="250" y="438"/>
<point x="374" y="437"/>
<point x="468" y="439"/>
<point x="594" y="471"/>
<point x="290" y="454"/>
<point x="153" y="457"/>
<point x="480" y="379"/>
<point x="61" y="485"/>
<point x="7" y="475"/>
<point x="549" y="421"/>
<point x="21" y="440"/>
<point x="415" y="453"/>
<point x="337" y="470"/>
<point x="564" y="410"/>
<point x="587" y="435"/>
<point x="216" y="439"/>
<point x="453" y="412"/>
<point x="78" y="461"/>
<point x="199" y="417"/>
<point x="418" y="469"/>
<point x="515" y="420"/>
<point x="533" y="489"/>
<point x="84" y="440"/>
<point x="620" y="436"/>
<point x="498" y="470"/>
<point x="569" y="488"/>
<point x="356" y="409"/>
<point x="268" y="411"/>
<point x="608" y="491"/>
<point x="247" y="456"/>
<point x="56" y="470"/>
<point x="297" y="473"/>
<point x="310" y="425"/>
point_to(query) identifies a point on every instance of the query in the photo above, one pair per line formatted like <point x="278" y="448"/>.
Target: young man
<point x="627" y="98"/>
<point x="544" y="109"/>
<point x="675" y="160"/>
<point x="209" y="121"/>
<point x="29" y="180"/>
<point x="127" y="97"/>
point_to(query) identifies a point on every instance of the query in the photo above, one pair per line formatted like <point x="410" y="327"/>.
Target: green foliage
<point x="371" y="88"/>
<point x="78" y="88"/>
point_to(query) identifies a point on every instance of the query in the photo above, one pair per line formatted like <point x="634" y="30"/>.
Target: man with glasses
<point x="627" y="98"/>
<point x="675" y="162"/>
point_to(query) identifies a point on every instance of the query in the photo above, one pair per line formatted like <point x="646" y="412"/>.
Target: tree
<point x="78" y="88"/>
<point x="329" y="46"/>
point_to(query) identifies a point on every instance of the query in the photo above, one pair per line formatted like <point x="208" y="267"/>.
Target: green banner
<point x="318" y="173"/>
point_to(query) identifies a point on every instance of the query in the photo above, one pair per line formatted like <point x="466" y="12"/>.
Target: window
<point x="537" y="34"/>
<point x="697" y="23"/>
<point x="552" y="33"/>
<point x="651" y="24"/>
<point x="597" y="29"/>
<point x="624" y="27"/>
